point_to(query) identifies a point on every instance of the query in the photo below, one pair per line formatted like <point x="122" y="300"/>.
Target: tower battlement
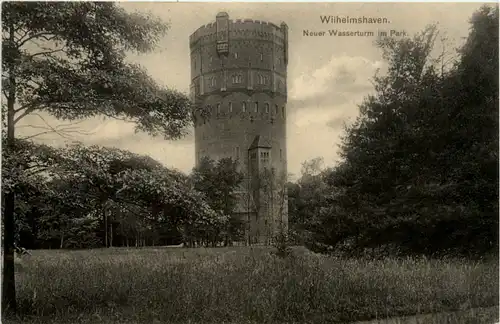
<point x="240" y="28"/>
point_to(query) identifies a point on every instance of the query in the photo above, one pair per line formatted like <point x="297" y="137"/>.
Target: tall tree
<point x="219" y="181"/>
<point x="420" y="163"/>
<point x="308" y="197"/>
<point x="67" y="59"/>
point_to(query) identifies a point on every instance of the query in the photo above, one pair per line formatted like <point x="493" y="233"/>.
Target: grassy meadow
<point x="242" y="285"/>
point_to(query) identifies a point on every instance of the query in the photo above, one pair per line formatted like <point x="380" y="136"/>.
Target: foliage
<point x="219" y="182"/>
<point x="420" y="167"/>
<point x="306" y="198"/>
<point x="67" y="59"/>
<point x="90" y="186"/>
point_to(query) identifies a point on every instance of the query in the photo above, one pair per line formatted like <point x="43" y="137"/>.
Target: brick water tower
<point x="239" y="90"/>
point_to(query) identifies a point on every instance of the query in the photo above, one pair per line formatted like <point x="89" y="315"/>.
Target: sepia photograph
<point x="250" y="162"/>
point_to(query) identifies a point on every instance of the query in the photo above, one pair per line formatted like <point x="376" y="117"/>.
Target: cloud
<point x="329" y="95"/>
<point x="320" y="102"/>
<point x="341" y="76"/>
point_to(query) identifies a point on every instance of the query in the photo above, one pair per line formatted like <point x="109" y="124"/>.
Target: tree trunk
<point x="105" y="218"/>
<point x="8" y="278"/>
<point x="111" y="235"/>
<point x="62" y="240"/>
<point x="8" y="273"/>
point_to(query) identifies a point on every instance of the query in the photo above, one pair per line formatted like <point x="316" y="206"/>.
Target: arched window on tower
<point x="261" y="57"/>
<point x="237" y="78"/>
<point x="264" y="157"/>
<point x="263" y="79"/>
<point x="230" y="107"/>
<point x="218" y="108"/>
<point x="267" y="107"/>
<point x="243" y="107"/>
<point x="235" y="55"/>
<point x="256" y="106"/>
<point x="275" y="109"/>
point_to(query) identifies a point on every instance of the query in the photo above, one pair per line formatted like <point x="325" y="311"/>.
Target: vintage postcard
<point x="207" y="162"/>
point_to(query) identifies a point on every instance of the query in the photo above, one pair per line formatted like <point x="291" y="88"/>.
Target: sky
<point x="328" y="76"/>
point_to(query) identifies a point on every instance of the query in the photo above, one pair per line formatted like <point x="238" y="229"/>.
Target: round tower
<point x="239" y="90"/>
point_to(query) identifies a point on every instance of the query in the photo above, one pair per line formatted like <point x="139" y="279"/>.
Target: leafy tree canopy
<point x="420" y="164"/>
<point x="68" y="59"/>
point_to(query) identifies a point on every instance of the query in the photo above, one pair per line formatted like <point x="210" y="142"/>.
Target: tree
<point x="306" y="198"/>
<point x="68" y="60"/>
<point x="118" y="179"/>
<point x="419" y="169"/>
<point x="219" y="181"/>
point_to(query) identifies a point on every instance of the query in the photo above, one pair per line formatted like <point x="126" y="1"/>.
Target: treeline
<point x="91" y="196"/>
<point x="419" y="169"/>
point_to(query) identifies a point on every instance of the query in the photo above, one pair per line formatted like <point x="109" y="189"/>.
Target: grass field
<point x="241" y="285"/>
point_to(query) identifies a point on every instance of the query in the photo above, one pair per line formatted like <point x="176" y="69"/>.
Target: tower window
<point x="276" y="109"/>
<point x="213" y="82"/>
<point x="262" y="79"/>
<point x="267" y="108"/>
<point x="237" y="78"/>
<point x="237" y="153"/>
<point x="264" y="156"/>
<point x="283" y="111"/>
<point x="243" y="107"/>
<point x="256" y="106"/>
<point x="230" y="107"/>
<point x="211" y="59"/>
<point x="235" y="55"/>
<point x="218" y="108"/>
<point x="261" y="57"/>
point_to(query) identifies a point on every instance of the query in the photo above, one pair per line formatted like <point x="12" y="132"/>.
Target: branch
<point x="46" y="53"/>
<point x="37" y="35"/>
<point x="50" y="129"/>
<point x="42" y="133"/>
<point x="29" y="109"/>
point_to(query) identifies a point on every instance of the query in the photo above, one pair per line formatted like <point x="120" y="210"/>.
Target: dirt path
<point x="476" y="315"/>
